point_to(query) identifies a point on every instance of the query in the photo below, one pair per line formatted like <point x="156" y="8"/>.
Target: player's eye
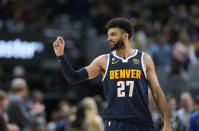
<point x="113" y="34"/>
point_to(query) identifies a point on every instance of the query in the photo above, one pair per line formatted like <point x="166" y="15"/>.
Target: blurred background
<point x="166" y="29"/>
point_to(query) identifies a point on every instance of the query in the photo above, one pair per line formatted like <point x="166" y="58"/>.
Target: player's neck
<point x="125" y="52"/>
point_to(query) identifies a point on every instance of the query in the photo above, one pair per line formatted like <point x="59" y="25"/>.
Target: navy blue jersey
<point x="126" y="89"/>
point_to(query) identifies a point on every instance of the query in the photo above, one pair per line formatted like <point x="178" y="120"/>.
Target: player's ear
<point x="125" y="36"/>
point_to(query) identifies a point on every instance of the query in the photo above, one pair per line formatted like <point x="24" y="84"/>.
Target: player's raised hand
<point x="59" y="46"/>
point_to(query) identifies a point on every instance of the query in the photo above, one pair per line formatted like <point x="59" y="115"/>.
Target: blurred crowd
<point x="167" y="30"/>
<point x="23" y="110"/>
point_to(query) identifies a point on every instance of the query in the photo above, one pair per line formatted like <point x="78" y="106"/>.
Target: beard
<point x="118" y="45"/>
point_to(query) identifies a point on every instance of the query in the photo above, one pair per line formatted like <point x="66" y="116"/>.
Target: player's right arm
<point x="97" y="66"/>
<point x="72" y="75"/>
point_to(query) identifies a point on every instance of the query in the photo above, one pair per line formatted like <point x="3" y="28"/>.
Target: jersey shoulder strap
<point x="107" y="66"/>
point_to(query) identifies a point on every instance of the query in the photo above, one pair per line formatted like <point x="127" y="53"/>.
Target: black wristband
<point x="70" y="74"/>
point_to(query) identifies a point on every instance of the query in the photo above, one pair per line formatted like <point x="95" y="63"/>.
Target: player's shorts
<point x="120" y="125"/>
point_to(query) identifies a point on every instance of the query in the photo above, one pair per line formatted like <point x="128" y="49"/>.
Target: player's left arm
<point x="157" y="92"/>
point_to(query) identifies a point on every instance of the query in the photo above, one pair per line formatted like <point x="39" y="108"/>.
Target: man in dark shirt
<point x="4" y="126"/>
<point x="17" y="109"/>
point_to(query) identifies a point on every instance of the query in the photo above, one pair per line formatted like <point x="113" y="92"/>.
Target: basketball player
<point x="127" y="73"/>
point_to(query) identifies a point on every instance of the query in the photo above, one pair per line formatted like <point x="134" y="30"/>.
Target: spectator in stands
<point x="19" y="72"/>
<point x="3" y="104"/>
<point x="193" y="70"/>
<point x="158" y="123"/>
<point x="4" y="126"/>
<point x="101" y="103"/>
<point x="185" y="111"/>
<point x="161" y="52"/>
<point x="141" y="41"/>
<point x="181" y="53"/>
<point x="95" y="121"/>
<point x="17" y="109"/>
<point x="194" y="119"/>
<point x="65" y="109"/>
<point x="56" y="117"/>
<point x="40" y="118"/>
<point x="78" y="121"/>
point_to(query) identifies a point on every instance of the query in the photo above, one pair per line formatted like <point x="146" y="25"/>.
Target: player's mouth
<point x="111" y="43"/>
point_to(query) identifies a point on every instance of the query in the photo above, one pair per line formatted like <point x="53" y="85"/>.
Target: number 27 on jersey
<point x="121" y="85"/>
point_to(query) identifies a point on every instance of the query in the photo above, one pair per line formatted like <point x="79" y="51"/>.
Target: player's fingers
<point x="59" y="37"/>
<point x="55" y="44"/>
<point x="61" y="40"/>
